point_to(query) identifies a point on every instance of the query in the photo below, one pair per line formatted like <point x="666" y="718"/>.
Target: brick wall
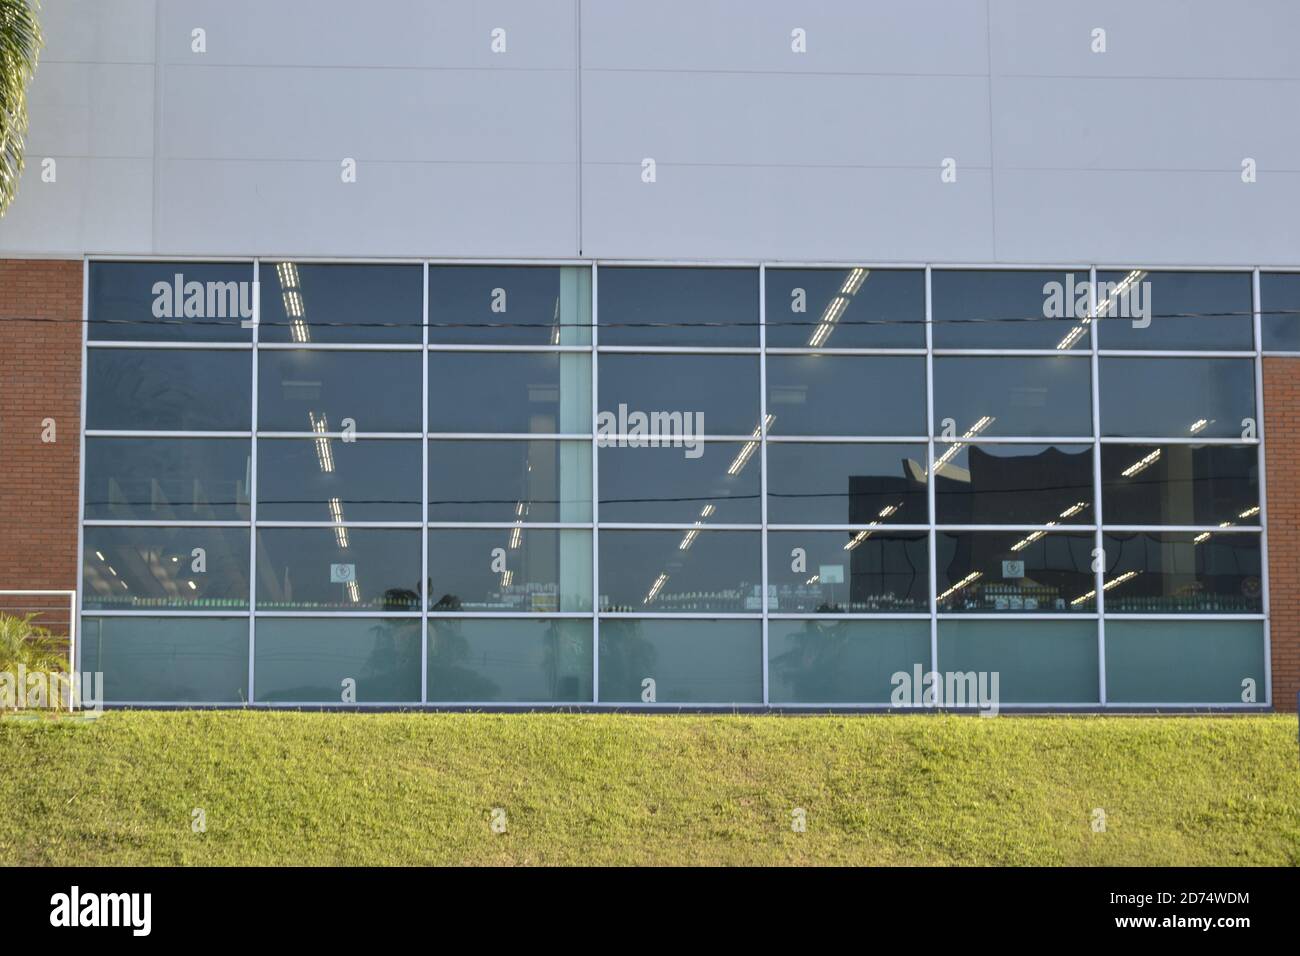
<point x="1282" y="434"/>
<point x="40" y="377"/>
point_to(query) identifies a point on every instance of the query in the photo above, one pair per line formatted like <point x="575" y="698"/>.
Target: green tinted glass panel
<point x="690" y="662"/>
<point x="168" y="660"/>
<point x="842" y="662"/>
<point x="499" y="659"/>
<point x="310" y="659"/>
<point x="1184" y="662"/>
<point x="1037" y="662"/>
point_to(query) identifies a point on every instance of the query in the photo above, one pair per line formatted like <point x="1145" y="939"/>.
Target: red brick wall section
<point x="1282" y="460"/>
<point x="40" y="377"/>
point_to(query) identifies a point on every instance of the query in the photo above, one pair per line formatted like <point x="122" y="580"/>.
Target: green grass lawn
<point x="313" y="788"/>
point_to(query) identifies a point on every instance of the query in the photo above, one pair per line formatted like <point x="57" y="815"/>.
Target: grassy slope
<point x="311" y="788"/>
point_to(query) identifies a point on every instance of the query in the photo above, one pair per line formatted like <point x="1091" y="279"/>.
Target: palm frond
<point x="20" y="44"/>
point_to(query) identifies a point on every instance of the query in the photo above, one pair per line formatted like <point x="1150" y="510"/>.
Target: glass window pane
<point x="1182" y="572"/>
<point x="721" y="392"/>
<point x="1013" y="309"/>
<point x="168" y="660"/>
<point x="525" y="480"/>
<point x="170" y="301"/>
<point x="301" y="390"/>
<point x="660" y="305"/>
<point x="689" y="662"/>
<point x="1015" y="571"/>
<point x="169" y="389"/>
<point x="1178" y="397"/>
<point x="308" y="660"/>
<point x="1183" y="662"/>
<point x="338" y="569"/>
<point x="1279" y="303"/>
<point x="1180" y="484"/>
<point x="833" y="572"/>
<point x="846" y="395"/>
<point x="1175" y="310"/>
<point x="522" y="392"/>
<point x="842" y="662"/>
<point x="534" y="570"/>
<point x="1036" y="662"/>
<point x="711" y="571"/>
<point x="167" y="479"/>
<point x="855" y="308"/>
<point x="510" y="305"/>
<point x="312" y="302"/>
<point x="721" y="485"/>
<point x="164" y="567"/>
<point x="509" y="660"/>
<point x="828" y="483"/>
<point x="1017" y="397"/>
<point x="1013" y="484"/>
<point x="328" y="479"/>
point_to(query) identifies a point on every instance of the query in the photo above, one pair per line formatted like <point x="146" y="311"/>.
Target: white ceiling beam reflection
<point x="836" y="308"/>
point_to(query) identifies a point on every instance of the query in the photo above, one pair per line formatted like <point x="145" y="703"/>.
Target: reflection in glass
<point x="828" y="483"/>
<point x="1013" y="484"/>
<point x="836" y="572"/>
<point x="1180" y="484"/>
<point x="301" y="390"/>
<point x="164" y="567"/>
<point x="846" y="395"/>
<point x="1019" y="571"/>
<point x="167" y="479"/>
<point x="695" y="662"/>
<point x="1177" y="397"/>
<point x="534" y="570"/>
<point x="722" y="388"/>
<point x="1183" y="662"/>
<point x="184" y="660"/>
<point x="1279" y="303"/>
<point x="313" y="302"/>
<point x="517" y="480"/>
<point x="843" y="662"/>
<point x="338" y="569"/>
<point x="312" y="660"/>
<point x="687" y="571"/>
<point x="1012" y="309"/>
<point x="721" y="486"/>
<point x="1018" y="397"/>
<point x="169" y="389"/>
<point x="328" y="479"/>
<point x="845" y="308"/>
<point x="170" y="301"/>
<point x="1183" y="572"/>
<point x="660" y="305"/>
<point x="1036" y="662"/>
<point x="510" y="392"/>
<point x="1175" y="310"/>
<point x="508" y="659"/>
<point x="510" y="305"/>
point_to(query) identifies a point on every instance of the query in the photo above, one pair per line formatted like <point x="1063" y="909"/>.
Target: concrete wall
<point x="1132" y="156"/>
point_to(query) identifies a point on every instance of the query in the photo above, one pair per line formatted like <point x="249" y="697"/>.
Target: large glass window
<point x="169" y="389"/>
<point x="1034" y="662"/>
<point x="845" y="395"/>
<point x="167" y="479"/>
<point x="1279" y="303"/>
<point x="1013" y="484"/>
<point x="543" y="660"/>
<point x="837" y="572"/>
<point x="1183" y="662"/>
<point x="328" y="479"/>
<point x="510" y="305"/>
<point x="182" y="568"/>
<point x="170" y="301"/>
<point x="1014" y="572"/>
<point x="712" y="394"/>
<point x="681" y="662"/>
<point x="854" y="308"/>
<point x="306" y="303"/>
<point x="1177" y="397"/>
<point x="363" y="660"/>
<point x="719" y="485"/>
<point x="1010" y="309"/>
<point x="686" y="571"/>
<point x="819" y="661"/>
<point x="533" y="570"/>
<point x="1176" y="572"/>
<point x="1180" y="484"/>
<point x="661" y="305"/>
<point x="161" y="660"/>
<point x="304" y="390"/>
<point x="1026" y="397"/>
<point x="1175" y="310"/>
<point x="510" y="392"/>
<point x="530" y="481"/>
<point x="338" y="569"/>
<point x="840" y="483"/>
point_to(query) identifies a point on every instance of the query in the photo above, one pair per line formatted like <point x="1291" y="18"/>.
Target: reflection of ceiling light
<point x="1069" y="512"/>
<point x="747" y="450"/>
<point x="111" y="571"/>
<point x="968" y="579"/>
<point x="516" y="537"/>
<point x="1202" y="537"/>
<point x="708" y="510"/>
<point x="1114" y="582"/>
<point x="100" y="555"/>
<point x="983" y="422"/>
<point x="354" y="592"/>
<point x="291" y="293"/>
<point x="836" y="307"/>
<point x="336" y="515"/>
<point x="1198" y="425"/>
<point x="324" y="453"/>
<point x="655" y="589"/>
<point x="193" y="586"/>
<point x="506" y="578"/>
<point x="1141" y="464"/>
<point x="1249" y="512"/>
<point x="814" y="579"/>
<point x="861" y="536"/>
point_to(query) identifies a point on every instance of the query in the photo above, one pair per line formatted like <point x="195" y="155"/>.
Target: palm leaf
<point x="20" y="43"/>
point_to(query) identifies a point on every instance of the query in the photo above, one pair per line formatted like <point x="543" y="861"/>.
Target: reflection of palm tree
<point x="631" y="658"/>
<point x="565" y="659"/>
<point x="817" y="660"/>
<point x="394" y="659"/>
<point x="449" y="676"/>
